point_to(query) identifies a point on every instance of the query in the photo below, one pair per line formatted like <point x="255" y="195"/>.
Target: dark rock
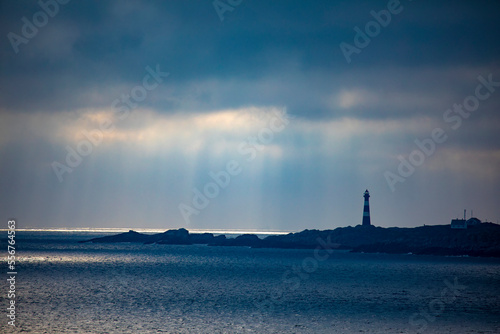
<point x="478" y="240"/>
<point x="174" y="237"/>
<point x="218" y="240"/>
<point x="130" y="236"/>
<point x="249" y="240"/>
<point x="201" y="238"/>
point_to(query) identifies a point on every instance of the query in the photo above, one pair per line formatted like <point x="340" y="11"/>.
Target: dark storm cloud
<point x="103" y="46"/>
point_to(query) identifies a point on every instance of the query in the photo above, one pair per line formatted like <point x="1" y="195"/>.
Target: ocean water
<point x="66" y="287"/>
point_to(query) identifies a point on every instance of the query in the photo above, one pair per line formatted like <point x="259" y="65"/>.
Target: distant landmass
<point x="481" y="240"/>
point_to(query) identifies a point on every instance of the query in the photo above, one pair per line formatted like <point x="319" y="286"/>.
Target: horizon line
<point x="144" y="230"/>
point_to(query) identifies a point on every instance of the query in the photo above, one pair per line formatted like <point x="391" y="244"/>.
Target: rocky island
<point x="481" y="240"/>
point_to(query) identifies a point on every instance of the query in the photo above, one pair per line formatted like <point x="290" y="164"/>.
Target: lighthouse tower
<point x="366" y="209"/>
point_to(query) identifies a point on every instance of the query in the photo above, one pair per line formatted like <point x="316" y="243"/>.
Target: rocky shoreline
<point x="482" y="240"/>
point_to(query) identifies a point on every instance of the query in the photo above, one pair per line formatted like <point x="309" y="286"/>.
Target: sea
<point x="62" y="286"/>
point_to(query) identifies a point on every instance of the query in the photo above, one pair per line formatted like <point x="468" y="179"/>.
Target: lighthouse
<point x="366" y="209"/>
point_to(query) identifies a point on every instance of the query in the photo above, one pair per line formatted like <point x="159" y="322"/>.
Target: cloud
<point x="477" y="164"/>
<point x="350" y="121"/>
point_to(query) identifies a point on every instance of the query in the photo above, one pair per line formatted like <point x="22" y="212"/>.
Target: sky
<point x="239" y="114"/>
